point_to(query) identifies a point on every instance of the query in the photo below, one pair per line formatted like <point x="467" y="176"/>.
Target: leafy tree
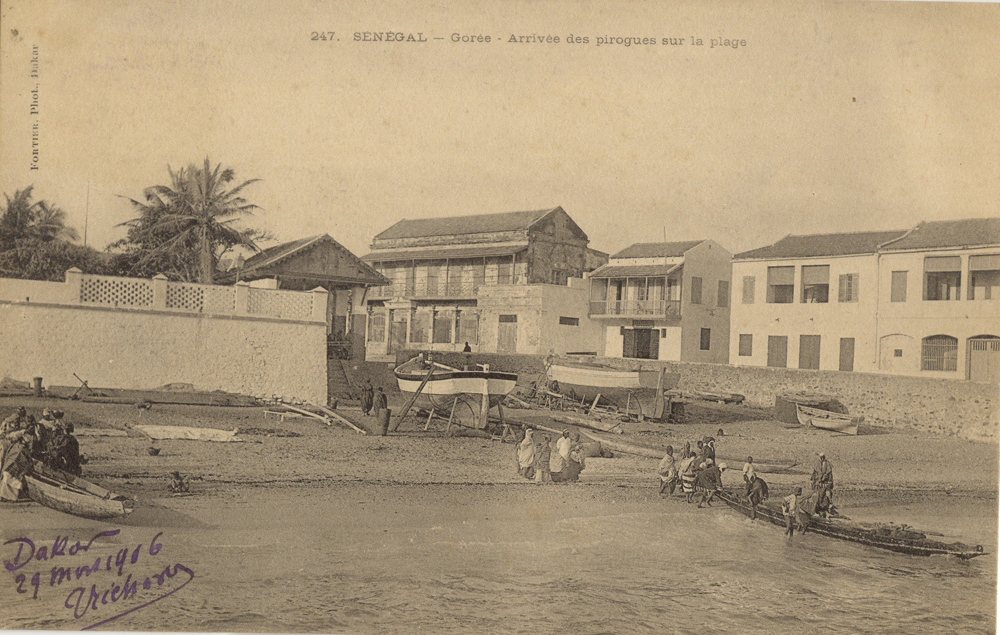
<point x="35" y="241"/>
<point x="183" y="229"/>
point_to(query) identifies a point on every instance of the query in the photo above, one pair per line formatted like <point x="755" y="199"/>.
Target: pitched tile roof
<point x="277" y="253"/>
<point x="458" y="225"/>
<point x="819" y="245"/>
<point x="657" y="250"/>
<point x="967" y="232"/>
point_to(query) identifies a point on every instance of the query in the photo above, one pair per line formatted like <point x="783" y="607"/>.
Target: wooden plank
<point x="307" y="413"/>
<point x="334" y="415"/>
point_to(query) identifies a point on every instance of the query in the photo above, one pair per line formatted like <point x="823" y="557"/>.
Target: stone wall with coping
<point x="53" y="330"/>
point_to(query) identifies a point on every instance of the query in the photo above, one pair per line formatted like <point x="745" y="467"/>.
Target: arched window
<point x="939" y="352"/>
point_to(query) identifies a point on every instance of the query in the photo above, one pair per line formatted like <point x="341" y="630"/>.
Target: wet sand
<point x="878" y="474"/>
<point x="418" y="532"/>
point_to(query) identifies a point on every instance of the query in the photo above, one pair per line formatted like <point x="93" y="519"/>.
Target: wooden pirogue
<point x="898" y="539"/>
<point x="71" y="494"/>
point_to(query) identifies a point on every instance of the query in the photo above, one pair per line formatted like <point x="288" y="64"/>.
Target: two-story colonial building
<point x="939" y="309"/>
<point x="497" y="282"/>
<point x="667" y="301"/>
<point x="917" y="302"/>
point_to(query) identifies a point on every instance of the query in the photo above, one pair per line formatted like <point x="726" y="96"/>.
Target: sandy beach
<point x="454" y="509"/>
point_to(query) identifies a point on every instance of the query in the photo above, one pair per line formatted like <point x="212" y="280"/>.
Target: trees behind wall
<point x="182" y="229"/>
<point x="36" y="243"/>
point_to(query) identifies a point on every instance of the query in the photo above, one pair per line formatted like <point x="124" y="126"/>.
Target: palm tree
<point x="184" y="228"/>
<point x="24" y="218"/>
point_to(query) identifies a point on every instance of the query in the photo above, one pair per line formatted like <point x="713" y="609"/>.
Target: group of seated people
<point x="24" y="439"/>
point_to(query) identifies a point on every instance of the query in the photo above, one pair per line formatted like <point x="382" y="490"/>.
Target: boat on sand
<point x="826" y="420"/>
<point x="898" y="538"/>
<point x="71" y="494"/>
<point x="439" y="386"/>
<point x="630" y="390"/>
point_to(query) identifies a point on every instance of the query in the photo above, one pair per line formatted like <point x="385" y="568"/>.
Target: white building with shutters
<point x="921" y="302"/>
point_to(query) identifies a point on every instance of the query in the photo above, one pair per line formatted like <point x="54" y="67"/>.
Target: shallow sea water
<point x="480" y="559"/>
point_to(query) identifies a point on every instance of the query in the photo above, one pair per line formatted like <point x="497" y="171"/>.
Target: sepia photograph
<point x="565" y="316"/>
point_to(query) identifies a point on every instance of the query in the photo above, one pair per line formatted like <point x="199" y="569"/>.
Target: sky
<point x="825" y="117"/>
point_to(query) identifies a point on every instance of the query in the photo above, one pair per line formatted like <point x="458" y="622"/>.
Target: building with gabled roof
<point x="494" y="281"/>
<point x="309" y="263"/>
<point x="917" y="302"/>
<point x="666" y="301"/>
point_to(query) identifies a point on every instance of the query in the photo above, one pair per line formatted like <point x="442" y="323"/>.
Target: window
<point x="746" y="345"/>
<point x="723" y="293"/>
<point x="706" y="339"/>
<point x="748" y="289"/>
<point x="468" y="327"/>
<point x="505" y="272"/>
<point x="695" y="290"/>
<point x="376" y="327"/>
<point x="508" y="319"/>
<point x="569" y="321"/>
<point x="809" y="352"/>
<point x="420" y="326"/>
<point x="848" y="287"/>
<point x="442" y="327"/>
<point x="897" y="352"/>
<point x="815" y="283"/>
<point x="780" y="285"/>
<point x="942" y="278"/>
<point x="777" y="351"/>
<point x="984" y="277"/>
<point x="560" y="277"/>
<point x="939" y="352"/>
<point x="898" y="287"/>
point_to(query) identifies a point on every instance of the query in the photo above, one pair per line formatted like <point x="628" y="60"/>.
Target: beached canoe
<point x="192" y="434"/>
<point x="442" y="385"/>
<point x="898" y="539"/>
<point x="638" y="391"/>
<point x="71" y="494"/>
<point x="826" y="420"/>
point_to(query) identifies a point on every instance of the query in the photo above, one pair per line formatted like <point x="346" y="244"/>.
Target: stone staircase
<point x="338" y="383"/>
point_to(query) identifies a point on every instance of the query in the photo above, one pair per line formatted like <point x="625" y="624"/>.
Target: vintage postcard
<point x="499" y="317"/>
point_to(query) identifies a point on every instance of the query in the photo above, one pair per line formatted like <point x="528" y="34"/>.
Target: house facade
<point x="666" y="301"/>
<point x="918" y="302"/>
<point x="939" y="314"/>
<point x="497" y="282"/>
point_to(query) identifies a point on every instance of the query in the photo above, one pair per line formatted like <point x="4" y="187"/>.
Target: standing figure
<point x="367" y="397"/>
<point x="822" y="484"/>
<point x="687" y="471"/>
<point x="708" y="481"/>
<point x="543" y="459"/>
<point x="757" y="494"/>
<point x="381" y="401"/>
<point x="668" y="472"/>
<point x="749" y="473"/>
<point x="790" y="509"/>
<point x="526" y="455"/>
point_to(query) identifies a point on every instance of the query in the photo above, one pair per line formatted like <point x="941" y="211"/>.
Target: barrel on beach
<point x="383" y="420"/>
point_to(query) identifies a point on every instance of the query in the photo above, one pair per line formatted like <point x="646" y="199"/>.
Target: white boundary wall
<point x="143" y="333"/>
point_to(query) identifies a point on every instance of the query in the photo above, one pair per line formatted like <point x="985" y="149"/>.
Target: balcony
<point x="421" y="289"/>
<point x="636" y="308"/>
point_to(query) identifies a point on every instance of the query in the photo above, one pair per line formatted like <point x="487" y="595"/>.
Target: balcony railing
<point x="635" y="308"/>
<point x="441" y="289"/>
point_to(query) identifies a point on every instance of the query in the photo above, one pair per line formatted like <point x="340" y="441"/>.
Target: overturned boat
<point x="446" y="389"/>
<point x="632" y="391"/>
<point x="900" y="539"/>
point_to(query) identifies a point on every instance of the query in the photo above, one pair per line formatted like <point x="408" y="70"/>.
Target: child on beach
<point x="543" y="456"/>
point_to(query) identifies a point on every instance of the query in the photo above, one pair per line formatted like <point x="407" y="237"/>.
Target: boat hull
<point x="71" y="494"/>
<point x="627" y="389"/>
<point x="445" y="385"/>
<point x="826" y="420"/>
<point x="844" y="529"/>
